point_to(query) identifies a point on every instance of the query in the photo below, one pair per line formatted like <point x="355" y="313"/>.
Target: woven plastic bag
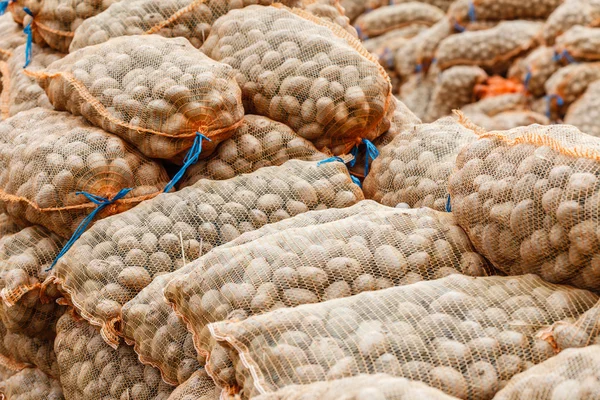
<point x="31" y="384"/>
<point x="158" y="333"/>
<point x="304" y="72"/>
<point x="584" y="114"/>
<point x="392" y="17"/>
<point x="154" y="92"/>
<point x="259" y="142"/>
<point x="580" y="43"/>
<point x="465" y="336"/>
<point x="372" y="250"/>
<point x="535" y="69"/>
<point x="413" y="170"/>
<point x="21" y="92"/>
<point x="199" y="387"/>
<point x="12" y="36"/>
<point x="120" y="256"/>
<point x="48" y="157"/>
<point x="528" y="199"/>
<point x="455" y="88"/>
<point x="569" y="14"/>
<point x="92" y="370"/>
<point x="367" y="386"/>
<point x="567" y="84"/>
<point x="464" y="11"/>
<point x="492" y="49"/>
<point x="572" y="374"/>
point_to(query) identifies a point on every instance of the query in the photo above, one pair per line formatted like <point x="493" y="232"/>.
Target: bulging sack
<point x="160" y="335"/>
<point x="569" y="14"/>
<point x="259" y="142"/>
<point x="31" y="383"/>
<point x="535" y="69"/>
<point x="114" y="260"/>
<point x="413" y="170"/>
<point x="154" y="92"/>
<point x="92" y="370"/>
<point x="465" y="336"/>
<point x="305" y="72"/>
<point x="403" y="120"/>
<point x="464" y="11"/>
<point x="48" y="157"/>
<point x="12" y="36"/>
<point x="8" y="226"/>
<point x="489" y="107"/>
<point x="528" y="199"/>
<point x="416" y="93"/>
<point x="567" y="84"/>
<point x="580" y="43"/>
<point x="21" y="92"/>
<point x="585" y="112"/>
<point x="199" y="387"/>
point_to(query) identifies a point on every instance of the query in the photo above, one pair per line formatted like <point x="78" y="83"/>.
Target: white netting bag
<point x="572" y="374"/>
<point x="12" y="36"/>
<point x="492" y="106"/>
<point x="16" y="8"/>
<point x="465" y="11"/>
<point x="48" y="157"/>
<point x="329" y="10"/>
<point x="416" y="93"/>
<point x="385" y="19"/>
<point x="199" y="387"/>
<point x="119" y="256"/>
<point x="414" y="168"/>
<point x="567" y="84"/>
<point x="305" y="72"/>
<point x="569" y="14"/>
<point x="21" y="92"/>
<point x="514" y="119"/>
<point x="31" y="384"/>
<point x="259" y="142"/>
<point x="535" y="69"/>
<point x="366" y="386"/>
<point x="372" y="250"/>
<point x="528" y="199"/>
<point x="584" y="112"/>
<point x="92" y="370"/>
<point x="465" y="336"/>
<point x="160" y="336"/>
<point x="402" y="121"/>
<point x="492" y="49"/>
<point x="580" y="42"/>
<point x="154" y="92"/>
<point x="8" y="226"/>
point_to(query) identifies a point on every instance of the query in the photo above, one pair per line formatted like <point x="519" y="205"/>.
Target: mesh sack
<point x="455" y="88"/>
<point x="569" y="14"/>
<point x="47" y="157"/>
<point x="514" y="119"/>
<point x="403" y="120"/>
<point x="416" y="93"/>
<point x="259" y="142"/>
<point x="22" y="92"/>
<point x="368" y="251"/>
<point x="160" y="336"/>
<point x="584" y="113"/>
<point x="572" y="374"/>
<point x="8" y="226"/>
<point x="580" y="43"/>
<point x="57" y="20"/>
<point x="535" y="69"/>
<point x="528" y="199"/>
<point x="413" y="170"/>
<point x="367" y="386"/>
<point x="199" y="387"/>
<point x="567" y="84"/>
<point x="12" y="36"/>
<point x="119" y="256"/>
<point x="465" y="336"/>
<point x="154" y="92"/>
<point x="329" y="10"/>
<point x="495" y="105"/>
<point x="492" y="49"/>
<point x="304" y="72"/>
<point x="92" y="370"/>
<point x="16" y="8"/>
<point x="392" y="17"/>
<point x="31" y="384"/>
<point x="392" y="40"/>
<point x="464" y="11"/>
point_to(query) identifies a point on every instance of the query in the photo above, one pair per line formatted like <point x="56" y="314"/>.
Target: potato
<point x="31" y="383"/>
<point x="102" y="370"/>
<point x="372" y="331"/>
<point x="145" y="98"/>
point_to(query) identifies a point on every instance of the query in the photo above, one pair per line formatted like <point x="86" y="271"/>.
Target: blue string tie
<point x="567" y="56"/>
<point x="419" y="68"/>
<point x="356" y="181"/>
<point x="330" y="159"/>
<point x="527" y="78"/>
<point x="29" y="32"/>
<point x="360" y="33"/>
<point x="371" y="154"/>
<point x="190" y="159"/>
<point x="472" y="16"/>
<point x="101" y="202"/>
<point x="448" y="205"/>
<point x="458" y="27"/>
<point x="388" y="57"/>
<point x="559" y="101"/>
<point x="3" y="6"/>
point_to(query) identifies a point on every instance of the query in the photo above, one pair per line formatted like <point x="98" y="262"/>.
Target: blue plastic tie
<point x="559" y="101"/>
<point x="472" y="16"/>
<point x="29" y="32"/>
<point x="330" y="159"/>
<point x="3" y="6"/>
<point x="419" y="68"/>
<point x="360" y="32"/>
<point x="356" y="181"/>
<point x="354" y="153"/>
<point x="566" y="55"/>
<point x="368" y="10"/>
<point x="101" y="202"/>
<point x="388" y="57"/>
<point x="448" y="205"/>
<point x="458" y="27"/>
<point x="527" y="78"/>
<point x="190" y="159"/>
<point x="372" y="153"/>
<point x="556" y="57"/>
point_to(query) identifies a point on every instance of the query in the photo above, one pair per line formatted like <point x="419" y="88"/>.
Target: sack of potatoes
<point x="465" y="11"/>
<point x="304" y="72"/>
<point x="567" y="15"/>
<point x="535" y="69"/>
<point x="160" y="336"/>
<point x="31" y="384"/>
<point x="21" y="92"/>
<point x="462" y="335"/>
<point x="48" y="158"/>
<point x="567" y="84"/>
<point x="580" y="43"/>
<point x="369" y="251"/>
<point x="12" y="37"/>
<point x="584" y="112"/>
<point x="572" y="374"/>
<point x="528" y="199"/>
<point x="258" y="142"/>
<point x="402" y="121"/>
<point x="199" y="387"/>
<point x="8" y="226"/>
<point x="413" y="170"/>
<point x="90" y="369"/>
<point x="115" y="259"/>
<point x="156" y="93"/>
